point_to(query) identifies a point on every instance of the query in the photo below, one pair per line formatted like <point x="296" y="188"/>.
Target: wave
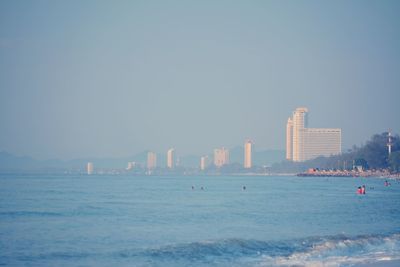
<point x="342" y="251"/>
<point x="28" y="213"/>
<point x="329" y="251"/>
<point x="84" y="210"/>
<point x="315" y="251"/>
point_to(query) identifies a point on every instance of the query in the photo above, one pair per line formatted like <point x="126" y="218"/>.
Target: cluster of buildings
<point x="302" y="143"/>
<point x="152" y="159"/>
<point x="221" y="158"/>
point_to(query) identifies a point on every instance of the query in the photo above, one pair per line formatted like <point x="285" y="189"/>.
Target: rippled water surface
<point x="58" y="220"/>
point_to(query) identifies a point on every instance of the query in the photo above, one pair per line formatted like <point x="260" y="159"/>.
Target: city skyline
<point x="99" y="79"/>
<point x="183" y="133"/>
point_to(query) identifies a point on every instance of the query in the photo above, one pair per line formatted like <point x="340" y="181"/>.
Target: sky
<point x="115" y="78"/>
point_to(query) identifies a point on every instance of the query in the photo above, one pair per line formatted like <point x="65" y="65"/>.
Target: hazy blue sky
<point x="113" y="78"/>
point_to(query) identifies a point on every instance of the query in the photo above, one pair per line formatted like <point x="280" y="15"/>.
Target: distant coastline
<point x="353" y="173"/>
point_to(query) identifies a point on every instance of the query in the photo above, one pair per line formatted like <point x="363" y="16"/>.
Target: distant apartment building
<point x="248" y="145"/>
<point x="151" y="160"/>
<point x="289" y="139"/>
<point x="89" y="168"/>
<point x="203" y="162"/>
<point x="171" y="158"/>
<point x="131" y="166"/>
<point x="221" y="157"/>
<point x="303" y="143"/>
<point x="321" y="142"/>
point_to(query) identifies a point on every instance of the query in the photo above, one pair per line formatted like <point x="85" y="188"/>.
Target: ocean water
<point x="55" y="220"/>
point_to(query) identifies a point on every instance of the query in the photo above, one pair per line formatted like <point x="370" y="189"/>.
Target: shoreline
<point x="365" y="174"/>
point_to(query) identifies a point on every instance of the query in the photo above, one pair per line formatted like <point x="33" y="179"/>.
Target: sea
<point x="122" y="220"/>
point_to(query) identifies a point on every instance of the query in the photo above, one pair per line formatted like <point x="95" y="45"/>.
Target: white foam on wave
<point x="345" y="252"/>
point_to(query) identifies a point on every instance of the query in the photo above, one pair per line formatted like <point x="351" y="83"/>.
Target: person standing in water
<point x="359" y="190"/>
<point x="363" y="190"/>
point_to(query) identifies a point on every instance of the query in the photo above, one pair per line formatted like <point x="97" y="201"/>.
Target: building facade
<point x="289" y="139"/>
<point x="221" y="157"/>
<point x="151" y="160"/>
<point x="248" y="146"/>
<point x="303" y="143"/>
<point x="131" y="166"/>
<point x="89" y="168"/>
<point x="171" y="158"/>
<point x="203" y="162"/>
<point x="300" y="121"/>
<point x="321" y="142"/>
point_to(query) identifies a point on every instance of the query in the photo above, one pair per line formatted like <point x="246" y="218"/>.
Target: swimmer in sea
<point x="244" y="187"/>
<point x="359" y="190"/>
<point x="363" y="190"/>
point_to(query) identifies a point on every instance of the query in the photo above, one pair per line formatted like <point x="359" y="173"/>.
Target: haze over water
<point x="94" y="79"/>
<point x="97" y="78"/>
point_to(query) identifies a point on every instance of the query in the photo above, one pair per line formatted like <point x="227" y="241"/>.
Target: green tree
<point x="372" y="155"/>
<point x="375" y="152"/>
<point x="361" y="162"/>
<point x="394" y="161"/>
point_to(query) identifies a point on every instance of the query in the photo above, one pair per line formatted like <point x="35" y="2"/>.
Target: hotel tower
<point x="248" y="145"/>
<point x="89" y="168"/>
<point x="303" y="143"/>
<point x="203" y="162"/>
<point x="221" y="157"/>
<point x="151" y="160"/>
<point x="171" y="158"/>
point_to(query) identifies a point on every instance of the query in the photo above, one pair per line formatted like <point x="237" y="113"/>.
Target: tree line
<point x="373" y="155"/>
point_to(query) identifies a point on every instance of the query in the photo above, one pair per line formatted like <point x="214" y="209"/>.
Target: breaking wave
<point x="316" y="251"/>
<point x="341" y="251"/>
<point x="329" y="251"/>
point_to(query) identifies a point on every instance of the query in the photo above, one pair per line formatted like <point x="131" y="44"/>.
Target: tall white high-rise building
<point x="171" y="158"/>
<point x="221" y="157"/>
<point x="248" y="145"/>
<point x="203" y="162"/>
<point x="151" y="160"/>
<point x="300" y="121"/>
<point x="89" y="168"/>
<point x="303" y="143"/>
<point x="289" y="139"/>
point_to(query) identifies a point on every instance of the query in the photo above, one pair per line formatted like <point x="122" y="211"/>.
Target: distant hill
<point x="260" y="158"/>
<point x="9" y="162"/>
<point x="12" y="162"/>
<point x="268" y="157"/>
